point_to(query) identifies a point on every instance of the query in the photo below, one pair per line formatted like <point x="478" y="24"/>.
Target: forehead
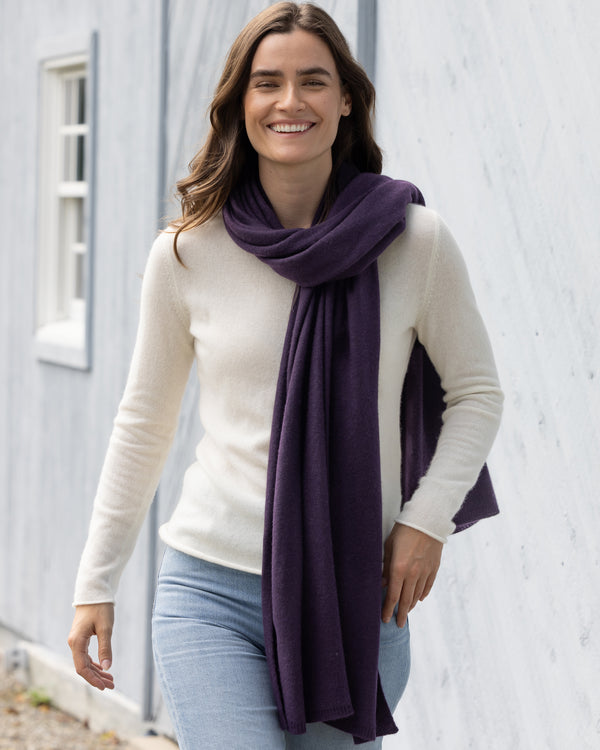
<point x="296" y="49"/>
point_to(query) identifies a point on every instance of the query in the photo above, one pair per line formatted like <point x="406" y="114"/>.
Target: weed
<point x="38" y="697"/>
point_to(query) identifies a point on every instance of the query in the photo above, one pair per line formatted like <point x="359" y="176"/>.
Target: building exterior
<point x="491" y="108"/>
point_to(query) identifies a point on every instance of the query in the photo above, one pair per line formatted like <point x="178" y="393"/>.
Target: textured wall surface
<point x="492" y="109"/>
<point x="56" y="421"/>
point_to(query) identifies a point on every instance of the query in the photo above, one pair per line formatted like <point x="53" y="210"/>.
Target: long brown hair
<point x="227" y="153"/>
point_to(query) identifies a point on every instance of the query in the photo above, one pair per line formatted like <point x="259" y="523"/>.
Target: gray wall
<point x="492" y="109"/>
<point x="57" y="420"/>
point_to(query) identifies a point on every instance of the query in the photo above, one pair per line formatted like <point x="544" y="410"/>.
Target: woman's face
<point x="294" y="101"/>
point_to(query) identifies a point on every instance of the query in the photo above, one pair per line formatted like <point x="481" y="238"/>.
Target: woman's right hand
<point x="90" y="620"/>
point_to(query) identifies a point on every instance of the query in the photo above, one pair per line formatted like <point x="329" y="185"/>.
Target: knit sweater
<point x="228" y="311"/>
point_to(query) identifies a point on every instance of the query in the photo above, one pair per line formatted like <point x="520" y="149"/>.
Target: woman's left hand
<point x="410" y="564"/>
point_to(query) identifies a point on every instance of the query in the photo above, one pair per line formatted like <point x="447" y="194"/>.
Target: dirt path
<point x="27" y="726"/>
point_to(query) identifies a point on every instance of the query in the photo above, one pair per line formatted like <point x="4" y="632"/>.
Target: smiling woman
<point x="298" y="278"/>
<point x="227" y="152"/>
<point x="292" y="109"/>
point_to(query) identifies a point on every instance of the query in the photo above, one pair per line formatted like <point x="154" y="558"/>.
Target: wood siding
<point x="492" y="109"/>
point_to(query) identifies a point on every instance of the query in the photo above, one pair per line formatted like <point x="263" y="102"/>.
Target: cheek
<point x="250" y="107"/>
<point x="245" y="104"/>
<point x="249" y="124"/>
<point x="252" y="130"/>
<point x="251" y="112"/>
<point x="246" y="116"/>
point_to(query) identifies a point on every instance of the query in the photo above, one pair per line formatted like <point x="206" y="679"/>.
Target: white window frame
<point x="65" y="211"/>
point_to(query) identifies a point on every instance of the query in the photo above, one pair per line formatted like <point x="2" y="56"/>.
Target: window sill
<point x="63" y="343"/>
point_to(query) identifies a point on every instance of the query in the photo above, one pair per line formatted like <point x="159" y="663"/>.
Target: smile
<point x="285" y="128"/>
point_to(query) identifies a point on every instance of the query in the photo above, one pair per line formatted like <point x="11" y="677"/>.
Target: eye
<point x="314" y="83"/>
<point x="265" y="85"/>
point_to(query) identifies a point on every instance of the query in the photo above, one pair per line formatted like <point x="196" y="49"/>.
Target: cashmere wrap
<point x="321" y="574"/>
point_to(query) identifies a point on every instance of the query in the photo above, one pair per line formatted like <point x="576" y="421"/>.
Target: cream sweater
<point x="228" y="311"/>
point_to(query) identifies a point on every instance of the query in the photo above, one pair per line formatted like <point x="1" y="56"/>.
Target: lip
<point x="291" y="127"/>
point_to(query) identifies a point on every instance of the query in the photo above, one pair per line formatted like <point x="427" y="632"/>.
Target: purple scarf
<point x="321" y="581"/>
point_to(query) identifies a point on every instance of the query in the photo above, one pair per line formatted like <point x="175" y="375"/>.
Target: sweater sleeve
<point x="143" y="429"/>
<point x="452" y="331"/>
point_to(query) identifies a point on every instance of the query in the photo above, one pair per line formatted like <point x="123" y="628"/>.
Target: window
<point x="65" y="208"/>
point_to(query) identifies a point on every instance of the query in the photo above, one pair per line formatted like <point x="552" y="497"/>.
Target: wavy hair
<point x="227" y="153"/>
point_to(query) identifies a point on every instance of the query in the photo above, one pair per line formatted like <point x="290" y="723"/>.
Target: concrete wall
<point x="492" y="109"/>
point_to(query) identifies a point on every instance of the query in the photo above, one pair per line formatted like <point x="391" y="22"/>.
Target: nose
<point x="290" y="99"/>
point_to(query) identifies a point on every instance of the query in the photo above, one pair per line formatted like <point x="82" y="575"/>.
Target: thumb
<point x="104" y="647"/>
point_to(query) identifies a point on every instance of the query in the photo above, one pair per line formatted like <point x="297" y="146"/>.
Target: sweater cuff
<point x="77" y="603"/>
<point x="438" y="538"/>
<point x="429" y="524"/>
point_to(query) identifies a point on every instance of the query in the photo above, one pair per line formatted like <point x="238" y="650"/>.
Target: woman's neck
<point x="294" y="192"/>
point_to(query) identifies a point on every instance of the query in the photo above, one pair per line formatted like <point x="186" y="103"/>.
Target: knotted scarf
<point x="321" y="576"/>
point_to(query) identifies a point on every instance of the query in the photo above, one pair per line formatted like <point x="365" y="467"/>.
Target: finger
<point x="391" y="598"/>
<point x="103" y="673"/>
<point x="428" y="586"/>
<point x="104" y="681"/>
<point x="90" y="672"/>
<point x="97" y="677"/>
<point x="104" y="647"/>
<point x="418" y="593"/>
<point x="404" y="603"/>
<point x="79" y="650"/>
<point x="86" y="668"/>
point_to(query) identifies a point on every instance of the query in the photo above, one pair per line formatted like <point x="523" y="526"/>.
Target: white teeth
<point x="290" y="128"/>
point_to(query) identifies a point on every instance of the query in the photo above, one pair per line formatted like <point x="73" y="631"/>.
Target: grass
<point x="37" y="697"/>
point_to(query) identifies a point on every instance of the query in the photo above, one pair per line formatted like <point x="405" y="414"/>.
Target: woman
<point x="298" y="278"/>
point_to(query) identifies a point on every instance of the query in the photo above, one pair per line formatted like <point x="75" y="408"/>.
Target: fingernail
<point x="386" y="619"/>
<point x="105" y="664"/>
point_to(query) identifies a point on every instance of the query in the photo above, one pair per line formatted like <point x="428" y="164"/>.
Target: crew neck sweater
<point x="227" y="311"/>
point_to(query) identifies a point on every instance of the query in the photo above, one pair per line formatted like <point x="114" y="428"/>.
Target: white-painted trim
<point x="61" y="344"/>
<point x="76" y="46"/>
<point x="72" y="190"/>
<point x="59" y="338"/>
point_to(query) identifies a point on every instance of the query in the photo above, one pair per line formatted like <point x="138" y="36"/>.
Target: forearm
<point x="142" y="434"/>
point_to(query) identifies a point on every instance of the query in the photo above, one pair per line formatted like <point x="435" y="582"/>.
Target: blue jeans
<point x="209" y="650"/>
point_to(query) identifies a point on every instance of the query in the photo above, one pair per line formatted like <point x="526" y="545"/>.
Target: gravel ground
<point x="26" y="726"/>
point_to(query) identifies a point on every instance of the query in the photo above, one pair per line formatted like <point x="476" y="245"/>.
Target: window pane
<point x="80" y="170"/>
<point x="79" y="291"/>
<point x="79" y="221"/>
<point x="72" y="253"/>
<point x="69" y="158"/>
<point x="81" y="101"/>
<point x="73" y="158"/>
<point x="68" y="89"/>
<point x="74" y="101"/>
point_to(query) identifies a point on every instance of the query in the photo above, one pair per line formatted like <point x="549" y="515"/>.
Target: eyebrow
<point x="279" y="73"/>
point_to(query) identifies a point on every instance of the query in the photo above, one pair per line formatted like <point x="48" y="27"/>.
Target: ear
<point x="346" y="105"/>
